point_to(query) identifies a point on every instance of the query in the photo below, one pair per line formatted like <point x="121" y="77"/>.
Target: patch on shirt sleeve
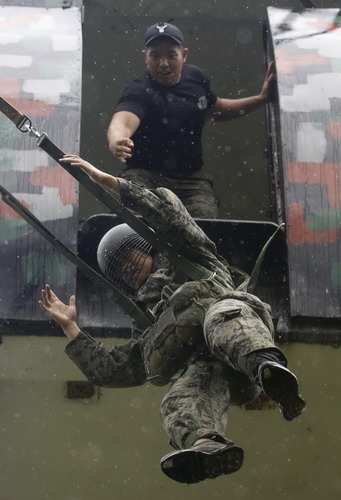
<point x="202" y="102"/>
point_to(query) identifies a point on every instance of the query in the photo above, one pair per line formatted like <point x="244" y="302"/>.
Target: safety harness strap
<point x="251" y="285"/>
<point x="183" y="266"/>
<point x="19" y="119"/>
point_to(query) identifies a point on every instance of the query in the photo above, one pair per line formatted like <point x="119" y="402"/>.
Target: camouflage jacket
<point x="123" y="366"/>
<point x="168" y="217"/>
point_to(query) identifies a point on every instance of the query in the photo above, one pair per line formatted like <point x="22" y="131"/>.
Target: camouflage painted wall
<point x="307" y="48"/>
<point x="40" y="74"/>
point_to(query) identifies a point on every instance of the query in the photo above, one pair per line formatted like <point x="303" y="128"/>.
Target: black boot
<point x="279" y="383"/>
<point x="205" y="460"/>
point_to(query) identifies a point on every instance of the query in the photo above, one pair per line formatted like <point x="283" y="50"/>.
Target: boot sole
<point x="282" y="387"/>
<point x="190" y="466"/>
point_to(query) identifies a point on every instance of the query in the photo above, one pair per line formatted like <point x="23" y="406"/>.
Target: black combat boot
<point x="279" y="383"/>
<point x="205" y="460"/>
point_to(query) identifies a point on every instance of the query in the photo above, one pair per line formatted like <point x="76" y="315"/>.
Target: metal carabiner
<point x="24" y="125"/>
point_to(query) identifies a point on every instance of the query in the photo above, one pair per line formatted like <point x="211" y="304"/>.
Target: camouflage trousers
<point x="194" y="190"/>
<point x="197" y="403"/>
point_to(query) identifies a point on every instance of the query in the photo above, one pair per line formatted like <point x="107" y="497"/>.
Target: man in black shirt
<point x="157" y="124"/>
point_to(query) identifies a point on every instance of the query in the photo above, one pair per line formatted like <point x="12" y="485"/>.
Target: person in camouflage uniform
<point x="231" y="362"/>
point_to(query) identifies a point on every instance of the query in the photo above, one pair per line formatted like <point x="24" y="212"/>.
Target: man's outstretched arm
<point x="96" y="175"/>
<point x="122" y="126"/>
<point x="166" y="216"/>
<point x="227" y="109"/>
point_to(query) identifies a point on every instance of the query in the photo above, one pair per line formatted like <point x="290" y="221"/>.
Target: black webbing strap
<point x="182" y="264"/>
<point x="184" y="267"/>
<point x="252" y="281"/>
<point x="109" y="200"/>
<point x="128" y="305"/>
<point x="19" y="119"/>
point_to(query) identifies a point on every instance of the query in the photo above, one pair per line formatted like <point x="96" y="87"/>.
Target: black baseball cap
<point x="163" y="30"/>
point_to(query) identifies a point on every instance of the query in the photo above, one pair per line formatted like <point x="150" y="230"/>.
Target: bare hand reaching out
<point x="122" y="149"/>
<point x="64" y="315"/>
<point x="96" y="175"/>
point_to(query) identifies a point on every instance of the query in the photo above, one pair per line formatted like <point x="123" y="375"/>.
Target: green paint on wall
<point x="336" y="65"/>
<point x="6" y="163"/>
<point x="8" y="133"/>
<point x="324" y="221"/>
<point x="320" y="126"/>
<point x="336" y="274"/>
<point x="335" y="116"/>
<point x="12" y="229"/>
<point x="325" y="117"/>
<point x="5" y="129"/>
<point x="56" y="269"/>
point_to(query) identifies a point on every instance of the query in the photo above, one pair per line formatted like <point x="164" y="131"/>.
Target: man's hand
<point x="267" y="88"/>
<point x="121" y="149"/>
<point x="96" y="175"/>
<point x="123" y="125"/>
<point x="64" y="315"/>
<point x="77" y="161"/>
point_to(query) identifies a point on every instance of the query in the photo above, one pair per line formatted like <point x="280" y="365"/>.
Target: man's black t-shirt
<point x="172" y="118"/>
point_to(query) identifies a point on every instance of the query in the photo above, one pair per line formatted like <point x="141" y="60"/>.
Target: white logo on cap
<point x="162" y="28"/>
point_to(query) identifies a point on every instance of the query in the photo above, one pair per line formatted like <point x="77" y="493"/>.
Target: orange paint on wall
<point x="31" y="107"/>
<point x="56" y="177"/>
<point x="16" y="21"/>
<point x="318" y="173"/>
<point x="6" y="212"/>
<point x="334" y="129"/>
<point x="325" y="26"/>
<point x="9" y="87"/>
<point x="286" y="61"/>
<point x="299" y="232"/>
